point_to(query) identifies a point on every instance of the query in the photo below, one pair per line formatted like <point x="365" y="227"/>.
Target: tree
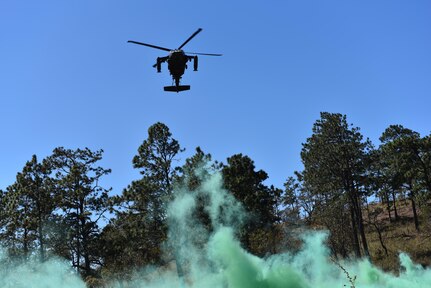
<point x="36" y="183"/>
<point x="154" y="159"/>
<point x="378" y="180"/>
<point x="408" y="162"/>
<point x="298" y="201"/>
<point x="379" y="225"/>
<point x="259" y="200"/>
<point x="29" y="207"/>
<point x="83" y="202"/>
<point x="413" y="149"/>
<point x="291" y="200"/>
<point x="18" y="234"/>
<point x="335" y="163"/>
<point x="196" y="169"/>
<point x="141" y="219"/>
<point x="155" y="156"/>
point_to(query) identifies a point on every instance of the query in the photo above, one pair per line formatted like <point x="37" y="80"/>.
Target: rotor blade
<point x="149" y="45"/>
<point x="190" y="38"/>
<point x="206" y="54"/>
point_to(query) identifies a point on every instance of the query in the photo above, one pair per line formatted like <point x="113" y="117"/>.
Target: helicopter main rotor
<point x="190" y="38"/>
<point x="179" y="48"/>
<point x="149" y="45"/>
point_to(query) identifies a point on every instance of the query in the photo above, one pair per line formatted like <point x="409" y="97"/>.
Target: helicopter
<point x="177" y="62"/>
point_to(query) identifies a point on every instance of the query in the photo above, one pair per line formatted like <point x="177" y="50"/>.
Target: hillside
<point x="397" y="236"/>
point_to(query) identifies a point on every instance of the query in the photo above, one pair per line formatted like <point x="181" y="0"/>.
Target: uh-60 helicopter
<point x="177" y="62"/>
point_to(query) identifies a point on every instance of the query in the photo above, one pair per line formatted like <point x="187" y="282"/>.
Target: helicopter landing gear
<point x="195" y="63"/>
<point x="177" y="88"/>
<point x="159" y="65"/>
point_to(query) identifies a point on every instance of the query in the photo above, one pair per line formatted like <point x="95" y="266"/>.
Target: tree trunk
<point x="84" y="243"/>
<point x="379" y="232"/>
<point x="25" y="243"/>
<point x="388" y="206"/>
<point x="361" y="229"/>
<point x="357" y="214"/>
<point x="355" y="233"/>
<point x="395" y="205"/>
<point x="40" y="217"/>
<point x="78" y="244"/>
<point x="41" y="241"/>
<point x="415" y="214"/>
<point x="363" y="237"/>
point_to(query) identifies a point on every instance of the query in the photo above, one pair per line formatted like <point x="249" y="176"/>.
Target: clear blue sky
<point x="68" y="77"/>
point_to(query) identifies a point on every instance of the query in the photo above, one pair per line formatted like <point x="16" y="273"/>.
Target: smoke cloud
<point x="50" y="274"/>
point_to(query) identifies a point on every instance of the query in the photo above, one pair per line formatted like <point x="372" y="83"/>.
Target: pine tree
<point x="335" y="162"/>
<point x="83" y="202"/>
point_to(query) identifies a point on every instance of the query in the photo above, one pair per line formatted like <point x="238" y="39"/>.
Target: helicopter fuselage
<point x="177" y="64"/>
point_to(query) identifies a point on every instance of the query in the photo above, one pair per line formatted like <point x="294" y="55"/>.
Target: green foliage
<point x="140" y="226"/>
<point x="407" y="165"/>
<point x="408" y="155"/>
<point x="196" y="169"/>
<point x="29" y="206"/>
<point x="259" y="200"/>
<point x="296" y="202"/>
<point x="155" y="162"/>
<point x="83" y="202"/>
<point x="335" y="162"/>
<point x="398" y="154"/>
<point x="155" y="156"/>
<point x="193" y="173"/>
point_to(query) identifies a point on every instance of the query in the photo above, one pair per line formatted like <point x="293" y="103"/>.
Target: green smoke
<point x="50" y="274"/>
<point x="212" y="257"/>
